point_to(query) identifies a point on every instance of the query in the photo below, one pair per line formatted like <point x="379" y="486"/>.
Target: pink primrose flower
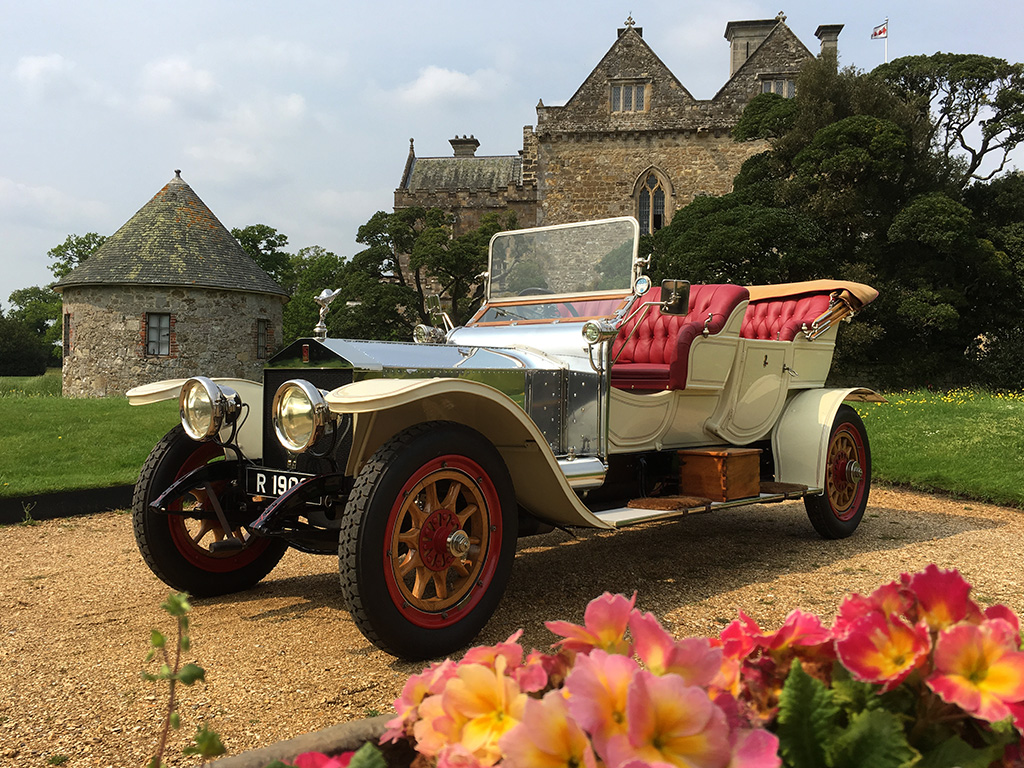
<point x="740" y="638"/>
<point x="888" y="599"/>
<point x="547" y="737"/>
<point x="800" y="629"/>
<point x="320" y="760"/>
<point x="877" y="650"/>
<point x="598" y="686"/>
<point x="457" y="756"/>
<point x="672" y="723"/>
<point x="754" y="748"/>
<point x="435" y="728"/>
<point x="693" y="659"/>
<point x="418" y="687"/>
<point x="979" y="668"/>
<point x="486" y="654"/>
<point x="942" y="597"/>
<point x="490" y="704"/>
<point x="604" y="626"/>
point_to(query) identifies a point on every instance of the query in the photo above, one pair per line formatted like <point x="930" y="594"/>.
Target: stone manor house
<point x="632" y="141"/>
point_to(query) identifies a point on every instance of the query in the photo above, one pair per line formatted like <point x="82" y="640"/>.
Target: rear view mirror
<point x="675" y="297"/>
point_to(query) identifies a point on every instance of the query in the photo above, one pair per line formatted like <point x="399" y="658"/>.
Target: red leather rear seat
<point x="781" y="319"/>
<point x="656" y="357"/>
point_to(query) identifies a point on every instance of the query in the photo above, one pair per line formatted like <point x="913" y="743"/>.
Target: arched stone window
<point x="650" y="203"/>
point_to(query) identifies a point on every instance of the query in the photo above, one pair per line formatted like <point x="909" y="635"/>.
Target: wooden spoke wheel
<point x="427" y="540"/>
<point x="837" y="512"/>
<point x="176" y="547"/>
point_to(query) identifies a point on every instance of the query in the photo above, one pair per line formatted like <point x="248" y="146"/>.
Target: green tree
<point x="73" y="251"/>
<point x="265" y="245"/>
<point x="22" y="351"/>
<point x="957" y="93"/>
<point x="39" y="309"/>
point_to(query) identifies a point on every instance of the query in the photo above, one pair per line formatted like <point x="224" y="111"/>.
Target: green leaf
<point x="190" y="673"/>
<point x="956" y="751"/>
<point x="176" y="604"/>
<point x="807" y="720"/>
<point x="873" y="738"/>
<point x="368" y="756"/>
<point x="175" y="720"/>
<point x="185" y="643"/>
<point x="207" y="743"/>
<point x="157" y="639"/>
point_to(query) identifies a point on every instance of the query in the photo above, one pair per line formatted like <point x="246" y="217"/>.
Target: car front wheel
<point x="428" y="539"/>
<point x="177" y="545"/>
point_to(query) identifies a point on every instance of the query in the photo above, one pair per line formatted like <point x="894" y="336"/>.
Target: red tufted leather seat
<point x="780" y="319"/>
<point x="657" y="356"/>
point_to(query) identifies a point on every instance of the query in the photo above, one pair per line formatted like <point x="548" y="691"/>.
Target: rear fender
<point x="382" y="408"/>
<point x="800" y="437"/>
<point x="249" y="435"/>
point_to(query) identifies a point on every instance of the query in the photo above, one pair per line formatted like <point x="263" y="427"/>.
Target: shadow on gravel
<point x="676" y="562"/>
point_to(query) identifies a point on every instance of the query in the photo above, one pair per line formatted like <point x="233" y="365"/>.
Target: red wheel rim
<point x="192" y="536"/>
<point x="441" y="540"/>
<point x="844" y="478"/>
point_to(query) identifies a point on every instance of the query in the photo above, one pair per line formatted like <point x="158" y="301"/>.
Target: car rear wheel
<point x="177" y="547"/>
<point x="428" y="539"/>
<point x="837" y="512"/>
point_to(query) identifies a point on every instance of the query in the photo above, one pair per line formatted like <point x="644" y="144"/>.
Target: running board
<point x="620" y="517"/>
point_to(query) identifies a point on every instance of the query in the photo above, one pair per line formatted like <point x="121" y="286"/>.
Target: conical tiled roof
<point x="173" y="240"/>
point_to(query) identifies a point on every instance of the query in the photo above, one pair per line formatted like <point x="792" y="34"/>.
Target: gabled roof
<point x="453" y="173"/>
<point x="173" y="240"/>
<point x="781" y="35"/>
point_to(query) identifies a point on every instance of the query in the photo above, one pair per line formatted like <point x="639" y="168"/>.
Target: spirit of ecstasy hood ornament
<point x="324" y="300"/>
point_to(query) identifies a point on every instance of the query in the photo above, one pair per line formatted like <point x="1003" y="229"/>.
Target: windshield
<point x="565" y="259"/>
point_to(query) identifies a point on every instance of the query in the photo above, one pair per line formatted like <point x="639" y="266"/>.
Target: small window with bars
<point x="158" y="334"/>
<point x="629" y="97"/>
<point x="67" y="334"/>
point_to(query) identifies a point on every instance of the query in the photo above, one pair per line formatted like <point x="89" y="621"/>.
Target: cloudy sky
<point x="299" y="115"/>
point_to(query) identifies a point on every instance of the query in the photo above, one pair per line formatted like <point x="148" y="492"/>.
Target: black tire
<point x="175" y="547"/>
<point x="837" y="512"/>
<point x="411" y="592"/>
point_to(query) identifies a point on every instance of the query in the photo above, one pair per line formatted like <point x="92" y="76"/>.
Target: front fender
<point x="800" y="436"/>
<point x="382" y="408"/>
<point x="250" y="432"/>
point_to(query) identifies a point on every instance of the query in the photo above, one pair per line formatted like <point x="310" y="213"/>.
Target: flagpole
<point x="886" y="39"/>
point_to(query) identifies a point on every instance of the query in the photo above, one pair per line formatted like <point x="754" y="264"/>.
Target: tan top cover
<point x="857" y="295"/>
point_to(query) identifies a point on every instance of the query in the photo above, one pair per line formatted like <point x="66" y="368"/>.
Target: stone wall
<point x="213" y="334"/>
<point x="595" y="176"/>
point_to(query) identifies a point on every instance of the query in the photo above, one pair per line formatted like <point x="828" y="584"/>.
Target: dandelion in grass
<point x="979" y="668"/>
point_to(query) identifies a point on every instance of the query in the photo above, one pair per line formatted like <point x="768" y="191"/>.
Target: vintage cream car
<point x="578" y="395"/>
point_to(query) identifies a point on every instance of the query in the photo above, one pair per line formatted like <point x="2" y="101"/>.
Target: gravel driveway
<point x="77" y="605"/>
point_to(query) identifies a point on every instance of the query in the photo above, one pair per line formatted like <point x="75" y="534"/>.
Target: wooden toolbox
<point x="720" y="474"/>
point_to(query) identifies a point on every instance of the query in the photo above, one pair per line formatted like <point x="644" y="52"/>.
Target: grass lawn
<point x="968" y="443"/>
<point x="48" y="443"/>
<point x="964" y="442"/>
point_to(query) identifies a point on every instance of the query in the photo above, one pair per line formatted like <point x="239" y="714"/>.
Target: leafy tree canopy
<point x="73" y="251"/>
<point x="955" y="93"/>
<point x="265" y="245"/>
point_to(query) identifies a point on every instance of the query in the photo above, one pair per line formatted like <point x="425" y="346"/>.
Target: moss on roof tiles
<point x="174" y="239"/>
<point x="464" y="172"/>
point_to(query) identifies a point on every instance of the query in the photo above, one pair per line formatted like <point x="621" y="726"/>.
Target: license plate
<point x="271" y="482"/>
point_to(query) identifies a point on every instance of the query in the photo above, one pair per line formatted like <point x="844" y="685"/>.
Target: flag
<point x="881" y="31"/>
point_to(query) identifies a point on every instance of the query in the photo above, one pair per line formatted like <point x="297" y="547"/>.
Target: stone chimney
<point x="745" y="36"/>
<point x="464" y="147"/>
<point x="829" y="36"/>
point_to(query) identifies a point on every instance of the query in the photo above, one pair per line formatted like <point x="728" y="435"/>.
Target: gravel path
<point x="77" y="605"/>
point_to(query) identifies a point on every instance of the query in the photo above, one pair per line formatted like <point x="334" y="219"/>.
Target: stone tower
<point x="171" y="294"/>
